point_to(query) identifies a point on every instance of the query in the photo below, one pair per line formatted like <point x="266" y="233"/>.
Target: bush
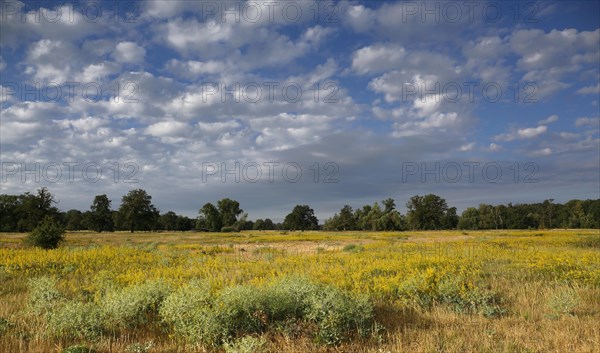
<point x="428" y="289"/>
<point x="246" y="344"/>
<point x="75" y="320"/>
<point x="338" y="314"/>
<point x="43" y="295"/>
<point x="228" y="229"/>
<point x="47" y="235"/>
<point x="562" y="301"/>
<point x="246" y="310"/>
<point x="5" y="325"/>
<point x="133" y="305"/>
<point x="189" y="312"/>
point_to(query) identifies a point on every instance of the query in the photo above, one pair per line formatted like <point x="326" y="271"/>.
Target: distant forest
<point x="22" y="213"/>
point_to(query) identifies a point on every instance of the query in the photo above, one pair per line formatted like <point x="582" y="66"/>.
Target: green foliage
<point x="228" y="229"/>
<point x="430" y="212"/>
<point x="43" y="295"/>
<point x="100" y="218"/>
<point x="198" y="317"/>
<point x="48" y="235"/>
<point x="188" y="311"/>
<point x="427" y="289"/>
<point x="138" y="212"/>
<point x="75" y="319"/>
<point x="563" y="300"/>
<point x="302" y="217"/>
<point x="5" y="325"/>
<point x="229" y="210"/>
<point x="353" y="248"/>
<point x="134" y="305"/>
<point x="210" y="218"/>
<point x="246" y="344"/>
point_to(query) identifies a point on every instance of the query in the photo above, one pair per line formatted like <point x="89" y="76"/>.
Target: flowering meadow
<point x="271" y="291"/>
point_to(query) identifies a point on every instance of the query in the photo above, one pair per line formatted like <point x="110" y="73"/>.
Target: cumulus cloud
<point x="129" y="52"/>
<point x="549" y="120"/>
<point x="524" y="133"/>
<point x="592" y="122"/>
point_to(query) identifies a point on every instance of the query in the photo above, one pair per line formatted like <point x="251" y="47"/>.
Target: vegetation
<point x="48" y="235"/>
<point x="22" y="213"/>
<point x="264" y="291"/>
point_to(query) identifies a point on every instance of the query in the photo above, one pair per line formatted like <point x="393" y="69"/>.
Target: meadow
<point x="272" y="291"/>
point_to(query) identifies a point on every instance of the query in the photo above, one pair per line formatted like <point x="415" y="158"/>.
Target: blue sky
<point x="481" y="102"/>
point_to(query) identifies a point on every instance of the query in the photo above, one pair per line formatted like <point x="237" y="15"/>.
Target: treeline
<point x="22" y="213"/>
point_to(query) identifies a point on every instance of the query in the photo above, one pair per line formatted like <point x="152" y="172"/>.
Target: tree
<point x="269" y="224"/>
<point x="469" y="219"/>
<point x="34" y="208"/>
<point x="302" y="218"/>
<point x="47" y="235"/>
<point x="347" y="220"/>
<point x="229" y="210"/>
<point x="100" y="216"/>
<point x="209" y="218"/>
<point x="259" y="224"/>
<point x="74" y="220"/>
<point x="138" y="212"/>
<point x="428" y="212"/>
<point x="168" y="221"/>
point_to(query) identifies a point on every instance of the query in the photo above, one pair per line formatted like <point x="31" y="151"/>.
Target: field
<point x="446" y="291"/>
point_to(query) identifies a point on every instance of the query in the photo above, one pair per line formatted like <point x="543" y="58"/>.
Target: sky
<point x="279" y="103"/>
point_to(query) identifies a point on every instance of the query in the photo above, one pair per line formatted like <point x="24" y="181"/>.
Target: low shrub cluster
<point x="428" y="288"/>
<point x="199" y="317"/>
<point x="196" y="314"/>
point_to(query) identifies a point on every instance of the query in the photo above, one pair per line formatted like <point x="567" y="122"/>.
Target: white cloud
<point x="377" y="58"/>
<point x="495" y="147"/>
<point x="589" y="90"/>
<point x="549" y="120"/>
<point x="525" y="133"/>
<point x="194" y="68"/>
<point x="467" y="147"/>
<point x="592" y="122"/>
<point x="546" y="151"/>
<point x="129" y="52"/>
<point x="166" y="128"/>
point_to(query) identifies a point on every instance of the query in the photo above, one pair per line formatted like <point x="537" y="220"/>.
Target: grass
<point x="263" y="291"/>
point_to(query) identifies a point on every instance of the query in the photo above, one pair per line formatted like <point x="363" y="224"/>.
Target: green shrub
<point x="47" y="235"/>
<point x="228" y="229"/>
<point x="197" y="317"/>
<point x="5" y="325"/>
<point x="353" y="248"/>
<point x="562" y="301"/>
<point x="455" y="292"/>
<point x="246" y="344"/>
<point x="134" y="305"/>
<point x="43" y="295"/>
<point x="75" y="319"/>
<point x="78" y="349"/>
<point x="338" y="314"/>
<point x="188" y="311"/>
